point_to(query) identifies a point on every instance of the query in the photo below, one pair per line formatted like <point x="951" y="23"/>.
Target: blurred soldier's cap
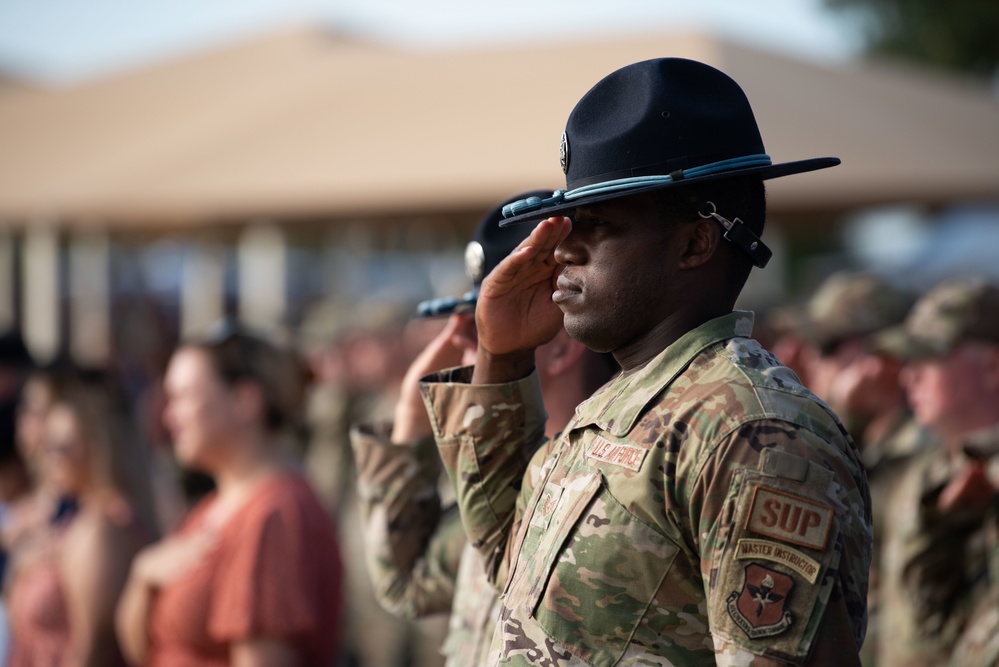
<point x="852" y="304"/>
<point x="325" y="321"/>
<point x="787" y="319"/>
<point x="489" y="245"/>
<point x="955" y="311"/>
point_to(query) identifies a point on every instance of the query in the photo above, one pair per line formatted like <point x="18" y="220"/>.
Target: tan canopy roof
<point x="309" y="123"/>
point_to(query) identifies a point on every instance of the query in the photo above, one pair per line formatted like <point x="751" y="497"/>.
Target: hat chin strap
<point x="634" y="183"/>
<point x="737" y="232"/>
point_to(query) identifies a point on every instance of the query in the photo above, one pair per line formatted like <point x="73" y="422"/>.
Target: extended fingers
<point x="537" y="250"/>
<point x="546" y="237"/>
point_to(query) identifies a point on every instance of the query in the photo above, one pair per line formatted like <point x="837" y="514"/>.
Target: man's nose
<point x="569" y="250"/>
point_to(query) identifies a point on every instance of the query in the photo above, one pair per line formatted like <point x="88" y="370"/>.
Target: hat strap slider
<point x="737" y="232"/>
<point x="634" y="182"/>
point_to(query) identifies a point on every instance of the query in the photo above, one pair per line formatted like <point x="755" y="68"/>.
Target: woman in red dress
<point x="253" y="575"/>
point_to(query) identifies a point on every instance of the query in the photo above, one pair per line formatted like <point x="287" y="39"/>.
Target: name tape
<point x="617" y="453"/>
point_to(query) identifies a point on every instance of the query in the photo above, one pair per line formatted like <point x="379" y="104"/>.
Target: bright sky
<point x="67" y="40"/>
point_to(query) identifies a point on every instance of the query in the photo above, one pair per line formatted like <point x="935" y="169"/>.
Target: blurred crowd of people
<point x="915" y="378"/>
<point x="261" y="537"/>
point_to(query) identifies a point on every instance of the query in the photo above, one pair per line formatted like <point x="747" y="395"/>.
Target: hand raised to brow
<point x="411" y="421"/>
<point x="515" y="312"/>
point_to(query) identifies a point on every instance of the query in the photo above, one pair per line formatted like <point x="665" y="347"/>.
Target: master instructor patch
<point x="790" y="518"/>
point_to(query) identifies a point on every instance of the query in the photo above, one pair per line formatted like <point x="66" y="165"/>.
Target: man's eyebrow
<point x="589" y="212"/>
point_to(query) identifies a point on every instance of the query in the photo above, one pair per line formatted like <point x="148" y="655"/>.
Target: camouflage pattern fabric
<point x="888" y="461"/>
<point x="978" y="644"/>
<point x="401" y="512"/>
<point x="705" y="509"/>
<point x="417" y="556"/>
<point x="474" y="613"/>
<point x="932" y="567"/>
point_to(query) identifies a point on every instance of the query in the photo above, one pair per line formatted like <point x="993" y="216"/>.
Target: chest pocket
<point x="601" y="569"/>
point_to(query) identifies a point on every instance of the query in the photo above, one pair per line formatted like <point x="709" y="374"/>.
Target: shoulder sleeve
<point x="782" y="520"/>
<point x="412" y="547"/>
<point x="272" y="580"/>
<point x="486" y="435"/>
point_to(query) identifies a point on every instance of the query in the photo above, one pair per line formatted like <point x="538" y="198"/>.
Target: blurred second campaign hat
<point x="489" y="244"/>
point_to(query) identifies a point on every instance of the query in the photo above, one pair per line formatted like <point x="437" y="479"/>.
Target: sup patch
<point x="790" y="518"/>
<point x="759" y="608"/>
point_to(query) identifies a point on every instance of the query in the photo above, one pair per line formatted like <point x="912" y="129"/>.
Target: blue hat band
<point x="624" y="184"/>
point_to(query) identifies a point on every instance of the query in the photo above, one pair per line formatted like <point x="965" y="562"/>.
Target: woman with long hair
<point x="63" y="600"/>
<point x="252" y="576"/>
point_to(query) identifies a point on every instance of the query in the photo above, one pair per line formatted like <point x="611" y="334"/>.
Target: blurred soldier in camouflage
<point x="353" y="351"/>
<point x="861" y="383"/>
<point x="703" y="507"/>
<point x="417" y="554"/>
<point x="858" y="380"/>
<point x="936" y="546"/>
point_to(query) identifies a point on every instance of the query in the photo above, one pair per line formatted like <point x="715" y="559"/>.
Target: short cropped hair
<point x="742" y="197"/>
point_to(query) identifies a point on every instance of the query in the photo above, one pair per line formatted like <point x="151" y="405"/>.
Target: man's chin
<point x="588" y="333"/>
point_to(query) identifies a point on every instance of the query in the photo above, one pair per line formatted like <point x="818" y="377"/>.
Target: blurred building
<point x="306" y="165"/>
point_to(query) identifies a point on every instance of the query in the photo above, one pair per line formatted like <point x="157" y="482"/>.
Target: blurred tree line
<point x="961" y="35"/>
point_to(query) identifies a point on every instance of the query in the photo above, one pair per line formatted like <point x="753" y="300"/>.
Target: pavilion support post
<point x="262" y="269"/>
<point x="41" y="294"/>
<point x="8" y="282"/>
<point x="202" y="298"/>
<point x="90" y="298"/>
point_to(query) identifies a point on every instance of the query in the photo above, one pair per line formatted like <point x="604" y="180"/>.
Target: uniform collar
<point x="618" y="406"/>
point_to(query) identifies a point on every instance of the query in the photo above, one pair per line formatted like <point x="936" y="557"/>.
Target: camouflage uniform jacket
<point x="887" y="461"/>
<point x="932" y="566"/>
<point x="705" y="509"/>
<point x="417" y="556"/>
<point x="978" y="644"/>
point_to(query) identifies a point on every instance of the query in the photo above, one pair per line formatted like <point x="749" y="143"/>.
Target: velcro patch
<point x="801" y="563"/>
<point x="616" y="453"/>
<point x="761" y="608"/>
<point x="790" y="518"/>
<point x="545" y="508"/>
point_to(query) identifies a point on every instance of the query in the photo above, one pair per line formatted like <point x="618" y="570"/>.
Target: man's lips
<point x="565" y="289"/>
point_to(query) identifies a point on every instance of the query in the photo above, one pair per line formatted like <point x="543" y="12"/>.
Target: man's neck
<point x="636" y="355"/>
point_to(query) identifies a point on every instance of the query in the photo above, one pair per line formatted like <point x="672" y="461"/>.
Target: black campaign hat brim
<point x="764" y="172"/>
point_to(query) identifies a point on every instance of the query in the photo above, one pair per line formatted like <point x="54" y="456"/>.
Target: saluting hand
<point x="411" y="421"/>
<point x="515" y="313"/>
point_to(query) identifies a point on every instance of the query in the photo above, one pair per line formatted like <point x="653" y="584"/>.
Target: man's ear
<point x="701" y="239"/>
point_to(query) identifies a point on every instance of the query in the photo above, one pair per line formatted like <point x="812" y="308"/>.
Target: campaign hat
<point x="489" y="245"/>
<point x="655" y="124"/>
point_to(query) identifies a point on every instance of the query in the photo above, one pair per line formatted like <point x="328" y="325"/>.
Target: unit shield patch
<point x="759" y="608"/>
